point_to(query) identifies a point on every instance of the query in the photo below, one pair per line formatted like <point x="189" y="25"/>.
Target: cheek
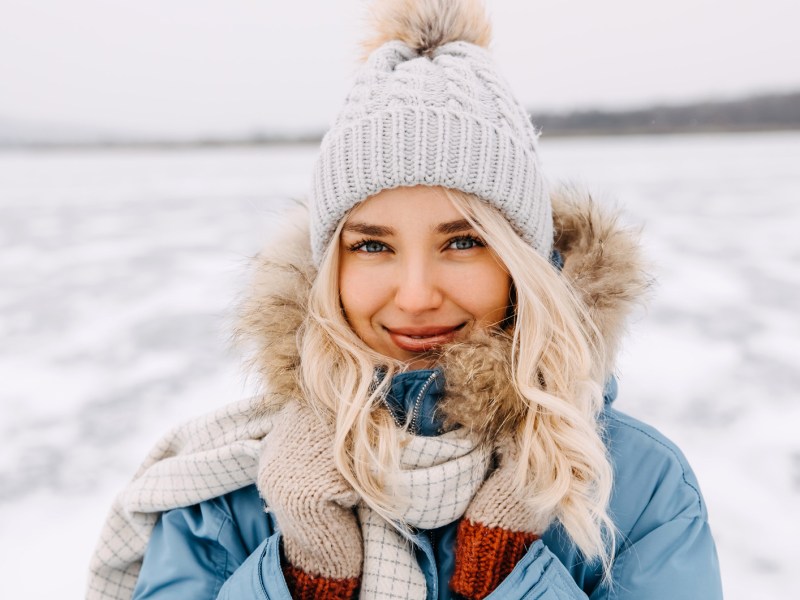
<point x="490" y="295"/>
<point x="359" y="295"/>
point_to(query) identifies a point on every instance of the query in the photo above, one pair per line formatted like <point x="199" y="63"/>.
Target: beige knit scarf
<point x="219" y="453"/>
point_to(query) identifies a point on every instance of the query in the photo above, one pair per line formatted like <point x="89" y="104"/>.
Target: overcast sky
<point x="194" y="67"/>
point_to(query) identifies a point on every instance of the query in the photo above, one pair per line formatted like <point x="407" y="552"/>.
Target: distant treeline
<point x="757" y="113"/>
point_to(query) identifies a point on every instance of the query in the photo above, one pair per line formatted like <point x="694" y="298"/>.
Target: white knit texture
<point x="446" y="120"/>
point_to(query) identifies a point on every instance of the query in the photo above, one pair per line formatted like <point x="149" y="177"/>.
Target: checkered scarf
<point x="217" y="454"/>
<point x="441" y="475"/>
<point x="197" y="461"/>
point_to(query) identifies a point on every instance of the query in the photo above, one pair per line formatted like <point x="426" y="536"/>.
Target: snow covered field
<point x="119" y="271"/>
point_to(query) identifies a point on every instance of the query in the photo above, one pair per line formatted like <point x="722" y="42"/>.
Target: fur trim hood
<point x="602" y="261"/>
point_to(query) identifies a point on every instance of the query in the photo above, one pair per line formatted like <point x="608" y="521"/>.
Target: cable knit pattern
<point x="446" y="118"/>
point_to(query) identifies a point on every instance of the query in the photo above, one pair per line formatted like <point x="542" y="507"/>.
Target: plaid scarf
<point x="217" y="454"/>
<point x="205" y="458"/>
<point x="440" y="475"/>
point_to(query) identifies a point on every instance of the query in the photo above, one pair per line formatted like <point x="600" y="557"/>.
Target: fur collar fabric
<point x="602" y="261"/>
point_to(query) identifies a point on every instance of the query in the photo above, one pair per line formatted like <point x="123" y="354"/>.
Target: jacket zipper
<point x="432" y="536"/>
<point x="418" y="402"/>
<point x="376" y="380"/>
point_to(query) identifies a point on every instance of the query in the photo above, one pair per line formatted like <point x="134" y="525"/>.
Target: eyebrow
<point x="454" y="226"/>
<point x="367" y="229"/>
<point x="382" y="231"/>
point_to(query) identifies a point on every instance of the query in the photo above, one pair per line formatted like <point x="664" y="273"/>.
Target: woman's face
<point x="414" y="275"/>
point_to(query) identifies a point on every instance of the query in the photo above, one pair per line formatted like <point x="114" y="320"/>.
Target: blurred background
<point x="148" y="150"/>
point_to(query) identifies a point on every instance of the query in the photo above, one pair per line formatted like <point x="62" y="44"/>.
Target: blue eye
<point x="370" y="246"/>
<point x="465" y="243"/>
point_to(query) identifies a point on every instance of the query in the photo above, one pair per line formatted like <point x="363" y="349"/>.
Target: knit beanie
<point x="428" y="107"/>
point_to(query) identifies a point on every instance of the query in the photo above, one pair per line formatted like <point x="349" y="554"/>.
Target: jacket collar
<point x="414" y="397"/>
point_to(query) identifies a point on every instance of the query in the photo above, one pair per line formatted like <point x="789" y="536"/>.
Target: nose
<point x="418" y="288"/>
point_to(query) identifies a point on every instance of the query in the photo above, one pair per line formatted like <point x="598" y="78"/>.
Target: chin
<point x="416" y="364"/>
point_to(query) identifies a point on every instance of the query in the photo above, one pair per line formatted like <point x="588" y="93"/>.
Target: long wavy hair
<point x="557" y="369"/>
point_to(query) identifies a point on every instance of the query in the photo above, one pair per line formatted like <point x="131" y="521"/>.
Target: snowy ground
<point x="119" y="272"/>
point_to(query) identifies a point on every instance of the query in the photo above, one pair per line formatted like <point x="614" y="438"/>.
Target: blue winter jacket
<point x="229" y="548"/>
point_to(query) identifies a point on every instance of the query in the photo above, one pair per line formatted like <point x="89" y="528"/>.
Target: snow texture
<point x="120" y="271"/>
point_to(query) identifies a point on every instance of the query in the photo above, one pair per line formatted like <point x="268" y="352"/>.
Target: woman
<point x="437" y="363"/>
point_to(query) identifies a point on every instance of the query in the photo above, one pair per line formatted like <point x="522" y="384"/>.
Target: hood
<point x="602" y="261"/>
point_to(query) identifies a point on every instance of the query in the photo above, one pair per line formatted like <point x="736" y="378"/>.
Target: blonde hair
<point x="557" y="366"/>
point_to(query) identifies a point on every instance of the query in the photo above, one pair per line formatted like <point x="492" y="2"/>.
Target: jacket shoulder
<point x="653" y="481"/>
<point x="194" y="550"/>
<point x="246" y="511"/>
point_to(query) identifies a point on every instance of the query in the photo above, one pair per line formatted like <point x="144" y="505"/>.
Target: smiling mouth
<point x="422" y="339"/>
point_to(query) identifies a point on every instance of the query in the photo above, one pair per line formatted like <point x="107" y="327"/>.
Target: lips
<point x="422" y="339"/>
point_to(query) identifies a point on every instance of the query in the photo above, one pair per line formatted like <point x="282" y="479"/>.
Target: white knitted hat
<point x="439" y="115"/>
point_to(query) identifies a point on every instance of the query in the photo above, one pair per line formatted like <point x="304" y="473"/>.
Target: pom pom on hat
<point x="429" y="107"/>
<point x="424" y="25"/>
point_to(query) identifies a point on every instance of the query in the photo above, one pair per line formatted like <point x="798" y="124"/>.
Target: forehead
<point x="415" y="205"/>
